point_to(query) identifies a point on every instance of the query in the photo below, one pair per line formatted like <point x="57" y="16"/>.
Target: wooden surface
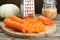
<point x="55" y="36"/>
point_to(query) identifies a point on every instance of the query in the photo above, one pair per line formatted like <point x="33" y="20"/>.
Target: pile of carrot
<point x="28" y="25"/>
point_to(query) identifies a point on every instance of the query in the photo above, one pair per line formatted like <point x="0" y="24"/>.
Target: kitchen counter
<point x="55" y="36"/>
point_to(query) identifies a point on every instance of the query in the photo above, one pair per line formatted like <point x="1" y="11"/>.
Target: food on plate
<point x="7" y="10"/>
<point x="46" y="20"/>
<point x="27" y="25"/>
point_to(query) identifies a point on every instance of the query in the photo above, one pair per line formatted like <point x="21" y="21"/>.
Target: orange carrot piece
<point x="15" y="18"/>
<point x="45" y="20"/>
<point x="15" y="25"/>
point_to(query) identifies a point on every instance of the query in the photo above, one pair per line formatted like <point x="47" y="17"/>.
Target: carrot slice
<point x="45" y="20"/>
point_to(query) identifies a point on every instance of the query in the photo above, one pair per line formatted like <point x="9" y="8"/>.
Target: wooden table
<point x="55" y="36"/>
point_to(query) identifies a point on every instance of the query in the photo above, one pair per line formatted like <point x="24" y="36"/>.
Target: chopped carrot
<point x="41" y="26"/>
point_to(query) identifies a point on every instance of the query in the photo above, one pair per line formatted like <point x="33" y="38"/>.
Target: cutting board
<point x="49" y="31"/>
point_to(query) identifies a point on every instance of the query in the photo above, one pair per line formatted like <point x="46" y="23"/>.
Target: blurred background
<point x="38" y="4"/>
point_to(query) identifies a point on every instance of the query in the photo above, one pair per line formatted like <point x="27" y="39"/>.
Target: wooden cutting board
<point x="50" y="30"/>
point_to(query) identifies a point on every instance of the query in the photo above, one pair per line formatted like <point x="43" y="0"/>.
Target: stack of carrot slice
<point x="28" y="25"/>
